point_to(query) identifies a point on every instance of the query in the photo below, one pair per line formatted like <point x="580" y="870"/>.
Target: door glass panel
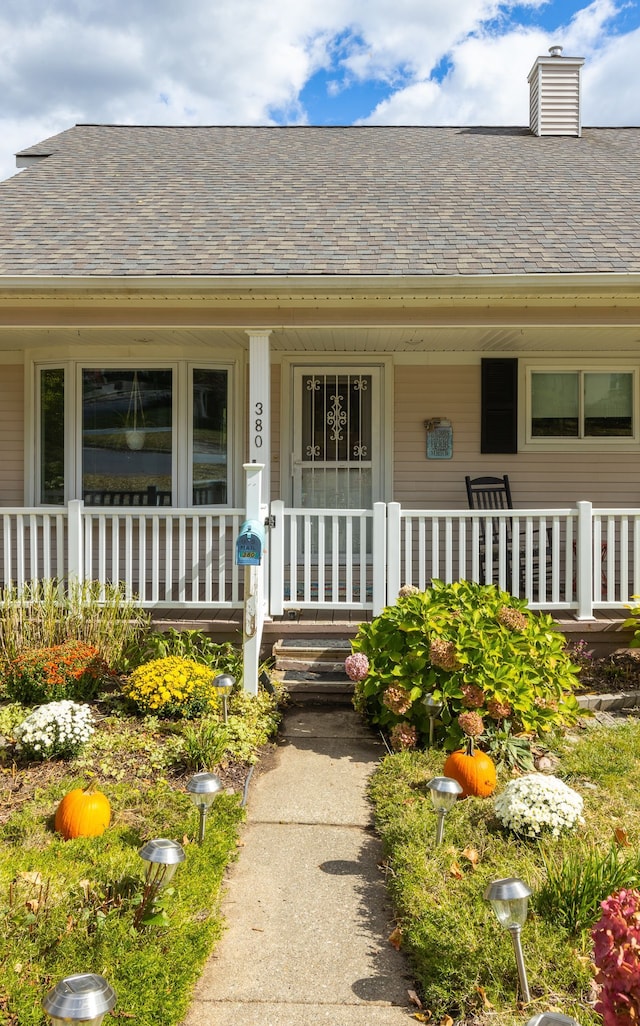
<point x="336" y="441"/>
<point x="209" y="437"/>
<point x="52" y="436"/>
<point x="127" y="437"/>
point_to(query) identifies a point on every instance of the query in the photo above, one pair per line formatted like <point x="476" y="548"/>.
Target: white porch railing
<point x="166" y="558"/>
<point x="576" y="559"/>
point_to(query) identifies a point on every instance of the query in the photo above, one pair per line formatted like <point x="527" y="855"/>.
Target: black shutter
<point x="499" y="418"/>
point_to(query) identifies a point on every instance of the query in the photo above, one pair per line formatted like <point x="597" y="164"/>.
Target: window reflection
<point x="127" y="437"/>
<point x="209" y="437"/>
<point x="52" y="436"/>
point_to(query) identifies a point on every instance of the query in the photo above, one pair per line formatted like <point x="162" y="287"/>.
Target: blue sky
<point x="301" y="62"/>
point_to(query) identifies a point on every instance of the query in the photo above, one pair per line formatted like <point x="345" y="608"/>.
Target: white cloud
<point x="246" y="61"/>
<point x="487" y="80"/>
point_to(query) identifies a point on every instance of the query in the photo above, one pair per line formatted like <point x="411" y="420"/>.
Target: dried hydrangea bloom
<point x="356" y="666"/>
<point x="443" y="654"/>
<point x="545" y="703"/>
<point x="408" y="589"/>
<point x="512" y="618"/>
<point x="472" y="696"/>
<point x="403" y="736"/>
<point x="397" y="699"/>
<point x="471" y="723"/>
<point x="498" y="710"/>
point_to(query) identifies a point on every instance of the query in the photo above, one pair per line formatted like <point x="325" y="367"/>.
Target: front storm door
<point x="337" y="443"/>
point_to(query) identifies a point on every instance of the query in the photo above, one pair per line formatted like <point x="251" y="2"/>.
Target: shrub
<point x="470" y="646"/>
<point x="56" y="729"/>
<point x="195" y="645"/>
<point x="616" y="938"/>
<point x="70" y="670"/>
<point x="538" y="803"/>
<point x="173" y="687"/>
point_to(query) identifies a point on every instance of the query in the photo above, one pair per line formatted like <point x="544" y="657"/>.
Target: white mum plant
<point x="55" y="729"/>
<point x="538" y="802"/>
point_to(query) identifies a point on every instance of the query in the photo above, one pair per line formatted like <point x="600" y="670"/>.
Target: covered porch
<point x="326" y="566"/>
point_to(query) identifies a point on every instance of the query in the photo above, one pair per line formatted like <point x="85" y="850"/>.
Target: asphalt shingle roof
<point x="120" y="200"/>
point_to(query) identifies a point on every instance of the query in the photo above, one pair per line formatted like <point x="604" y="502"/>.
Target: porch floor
<point x="603" y="633"/>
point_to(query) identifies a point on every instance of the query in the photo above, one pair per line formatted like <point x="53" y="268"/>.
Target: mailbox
<point x="250" y="544"/>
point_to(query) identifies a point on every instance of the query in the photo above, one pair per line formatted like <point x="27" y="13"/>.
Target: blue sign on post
<point x="250" y="544"/>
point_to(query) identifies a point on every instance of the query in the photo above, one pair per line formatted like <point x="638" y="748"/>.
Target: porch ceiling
<point x="598" y="339"/>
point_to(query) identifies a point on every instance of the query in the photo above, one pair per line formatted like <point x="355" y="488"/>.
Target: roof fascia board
<point x="297" y="285"/>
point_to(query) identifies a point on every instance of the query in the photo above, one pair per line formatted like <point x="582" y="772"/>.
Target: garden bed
<point x="462" y="959"/>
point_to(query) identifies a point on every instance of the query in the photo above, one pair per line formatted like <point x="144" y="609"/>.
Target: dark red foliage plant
<point x="616" y="938"/>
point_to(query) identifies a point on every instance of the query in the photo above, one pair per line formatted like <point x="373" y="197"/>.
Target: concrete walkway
<point x="307" y="911"/>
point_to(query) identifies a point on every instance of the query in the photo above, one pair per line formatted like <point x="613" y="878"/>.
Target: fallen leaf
<point x="447" y="1021"/>
<point x="621" y="837"/>
<point x="421" y="1016"/>
<point x="473" y="855"/>
<point x="32" y="878"/>
<point x="70" y="924"/>
<point x="32" y="905"/>
<point x="17" y="967"/>
<point x="395" y="938"/>
<point x="455" y="871"/>
<point x="414" y="999"/>
<point x="485" y="1000"/>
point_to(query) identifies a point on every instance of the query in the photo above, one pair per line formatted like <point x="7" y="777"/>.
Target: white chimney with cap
<point x="554" y="94"/>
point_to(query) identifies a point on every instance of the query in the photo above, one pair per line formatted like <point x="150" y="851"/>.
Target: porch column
<point x="259" y="426"/>
<point x="253" y="619"/>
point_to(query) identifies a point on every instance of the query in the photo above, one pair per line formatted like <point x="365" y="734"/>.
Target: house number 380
<point x="257" y="426"/>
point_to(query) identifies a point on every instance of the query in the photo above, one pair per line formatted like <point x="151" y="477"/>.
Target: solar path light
<point x="434" y="708"/>
<point x="203" y="788"/>
<point x="444" y="792"/>
<point x="224" y="682"/>
<point x="509" y="899"/>
<point x="163" y="858"/>
<point x="83" y="998"/>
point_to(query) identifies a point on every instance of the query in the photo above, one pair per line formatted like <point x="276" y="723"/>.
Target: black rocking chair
<point x="494" y="493"/>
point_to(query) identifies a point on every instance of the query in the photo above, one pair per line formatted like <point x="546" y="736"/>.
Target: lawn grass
<point x="462" y="959"/>
<point x="69" y="906"/>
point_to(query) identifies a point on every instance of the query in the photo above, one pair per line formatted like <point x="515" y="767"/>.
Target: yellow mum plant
<point x="172" y="686"/>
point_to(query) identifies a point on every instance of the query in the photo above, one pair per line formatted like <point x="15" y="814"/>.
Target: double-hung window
<point x="133" y="435"/>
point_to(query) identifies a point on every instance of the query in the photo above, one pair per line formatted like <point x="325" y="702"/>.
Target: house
<point x="325" y="330"/>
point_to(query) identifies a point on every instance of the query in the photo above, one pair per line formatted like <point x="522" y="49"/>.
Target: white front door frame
<point x="292" y="370"/>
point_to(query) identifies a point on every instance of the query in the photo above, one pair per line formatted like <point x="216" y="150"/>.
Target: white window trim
<point x="530" y="444"/>
<point x="182" y="421"/>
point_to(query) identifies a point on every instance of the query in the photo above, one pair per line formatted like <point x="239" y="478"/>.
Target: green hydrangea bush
<point x="472" y="647"/>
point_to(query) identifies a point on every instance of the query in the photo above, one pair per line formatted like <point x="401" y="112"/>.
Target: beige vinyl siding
<point x="11" y="435"/>
<point x="537" y="479"/>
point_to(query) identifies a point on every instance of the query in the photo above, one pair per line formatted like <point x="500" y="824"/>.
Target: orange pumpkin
<point x="473" y="769"/>
<point x="83" y="813"/>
